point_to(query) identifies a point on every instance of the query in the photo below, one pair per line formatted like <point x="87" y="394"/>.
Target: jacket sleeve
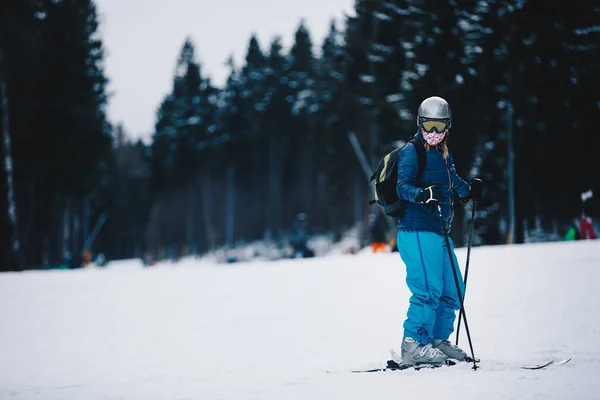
<point x="459" y="185"/>
<point x="408" y="167"/>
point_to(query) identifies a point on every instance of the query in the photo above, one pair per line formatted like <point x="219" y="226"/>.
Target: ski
<point x="546" y="364"/>
<point x="537" y="366"/>
<point x="564" y="361"/>
<point x="394" y="366"/>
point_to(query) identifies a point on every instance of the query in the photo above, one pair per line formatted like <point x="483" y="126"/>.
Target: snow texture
<point x="293" y="329"/>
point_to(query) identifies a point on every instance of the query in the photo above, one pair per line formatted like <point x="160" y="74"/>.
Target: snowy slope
<point x="272" y="330"/>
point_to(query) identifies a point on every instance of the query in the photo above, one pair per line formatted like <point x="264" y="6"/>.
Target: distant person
<point x="573" y="232"/>
<point x="377" y="231"/>
<point x="101" y="260"/>
<point x="422" y="234"/>
<point x="299" y="237"/>
<point x="148" y="259"/>
<point x="87" y="257"/>
<point x="586" y="229"/>
<point x="67" y="261"/>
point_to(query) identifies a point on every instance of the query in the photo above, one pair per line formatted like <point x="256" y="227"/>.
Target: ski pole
<point x="456" y="281"/>
<point x="471" y="229"/>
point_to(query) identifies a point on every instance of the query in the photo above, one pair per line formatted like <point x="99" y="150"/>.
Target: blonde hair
<point x="444" y="146"/>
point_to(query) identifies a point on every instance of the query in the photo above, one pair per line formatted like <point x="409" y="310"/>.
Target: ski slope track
<point x="295" y="329"/>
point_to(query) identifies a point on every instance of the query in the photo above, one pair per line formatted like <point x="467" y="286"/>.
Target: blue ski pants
<point x="429" y="276"/>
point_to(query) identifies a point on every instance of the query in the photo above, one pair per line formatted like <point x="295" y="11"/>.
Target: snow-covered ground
<point x="273" y="330"/>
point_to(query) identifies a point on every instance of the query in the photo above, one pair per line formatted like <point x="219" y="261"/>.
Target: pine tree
<point x="231" y="107"/>
<point x="186" y="133"/>
<point x="125" y="199"/>
<point x="19" y="49"/>
<point x="277" y="121"/>
<point x="303" y="104"/>
<point x="332" y="149"/>
<point x="253" y="95"/>
<point x="186" y="122"/>
<point x="252" y="77"/>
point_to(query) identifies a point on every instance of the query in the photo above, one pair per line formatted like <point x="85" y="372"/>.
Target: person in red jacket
<point x="586" y="230"/>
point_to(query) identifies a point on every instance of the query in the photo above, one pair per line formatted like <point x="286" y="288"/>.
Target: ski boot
<point x="414" y="353"/>
<point x="452" y="351"/>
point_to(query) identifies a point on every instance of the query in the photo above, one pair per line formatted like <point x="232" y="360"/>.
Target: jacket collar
<point x="418" y="136"/>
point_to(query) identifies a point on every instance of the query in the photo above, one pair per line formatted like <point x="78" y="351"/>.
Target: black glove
<point x="476" y="189"/>
<point x="430" y="195"/>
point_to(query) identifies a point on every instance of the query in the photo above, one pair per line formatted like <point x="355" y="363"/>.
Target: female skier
<point x="421" y="242"/>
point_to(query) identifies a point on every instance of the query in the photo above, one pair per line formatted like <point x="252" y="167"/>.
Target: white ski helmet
<point x="434" y="108"/>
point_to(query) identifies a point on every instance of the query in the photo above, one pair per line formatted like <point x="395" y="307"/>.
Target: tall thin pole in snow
<point x="373" y="127"/>
<point x="511" y="175"/>
<point x="8" y="165"/>
<point x="362" y="159"/>
<point x="360" y="154"/>
<point x="230" y="206"/>
<point x="89" y="240"/>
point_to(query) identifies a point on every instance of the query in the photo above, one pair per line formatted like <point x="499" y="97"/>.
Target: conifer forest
<point x="232" y="163"/>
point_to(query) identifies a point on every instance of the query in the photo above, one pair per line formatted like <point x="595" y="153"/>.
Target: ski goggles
<point x="435" y="125"/>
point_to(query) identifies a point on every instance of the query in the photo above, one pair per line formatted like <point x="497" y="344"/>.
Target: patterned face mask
<point x="433" y="138"/>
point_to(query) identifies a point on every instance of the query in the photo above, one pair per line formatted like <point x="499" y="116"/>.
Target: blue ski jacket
<point x="417" y="216"/>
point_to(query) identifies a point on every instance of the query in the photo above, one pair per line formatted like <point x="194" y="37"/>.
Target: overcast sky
<point x="142" y="39"/>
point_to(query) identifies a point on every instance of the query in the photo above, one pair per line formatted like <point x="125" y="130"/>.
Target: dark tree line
<point x="238" y="162"/>
<point x="51" y="67"/>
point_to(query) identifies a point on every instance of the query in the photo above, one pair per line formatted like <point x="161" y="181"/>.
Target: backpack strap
<point x="421" y="157"/>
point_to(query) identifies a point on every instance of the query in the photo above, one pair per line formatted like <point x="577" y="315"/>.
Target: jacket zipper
<point x="450" y="185"/>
